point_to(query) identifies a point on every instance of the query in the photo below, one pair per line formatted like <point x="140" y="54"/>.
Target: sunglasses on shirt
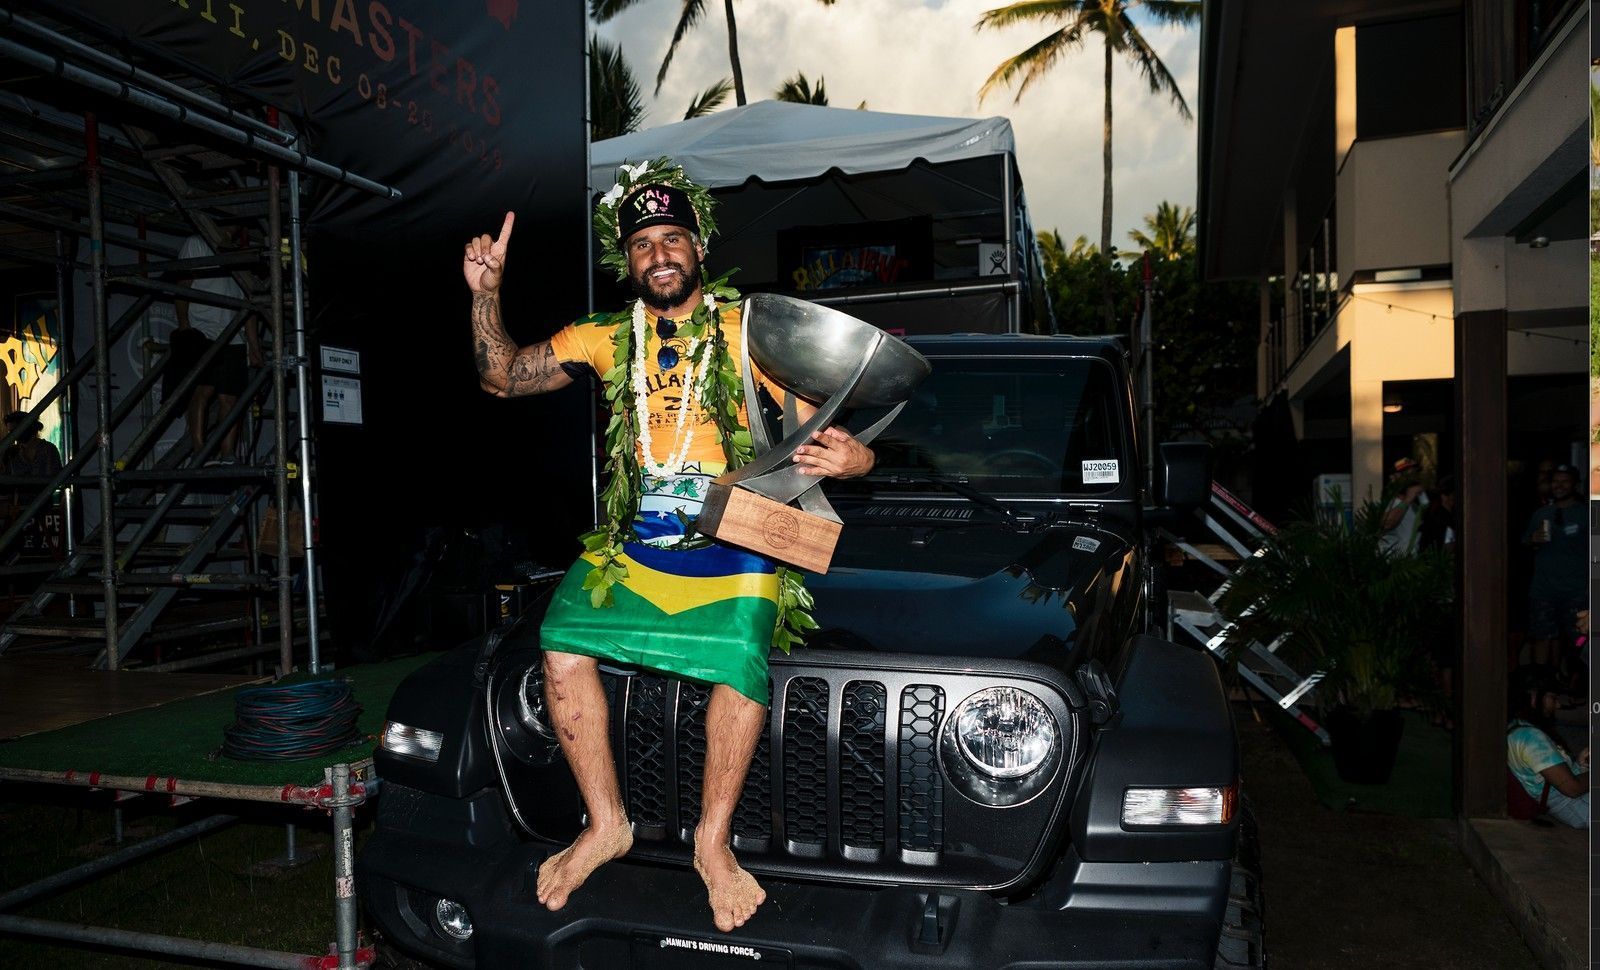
<point x="666" y="357"/>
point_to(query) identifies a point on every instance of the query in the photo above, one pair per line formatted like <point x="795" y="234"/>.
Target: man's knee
<point x="563" y="666"/>
<point x="738" y="702"/>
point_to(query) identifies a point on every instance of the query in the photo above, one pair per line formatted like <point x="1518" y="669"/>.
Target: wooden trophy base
<point x="743" y="518"/>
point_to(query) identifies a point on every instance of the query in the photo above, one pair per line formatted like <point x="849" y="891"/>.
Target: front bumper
<point x="626" y="910"/>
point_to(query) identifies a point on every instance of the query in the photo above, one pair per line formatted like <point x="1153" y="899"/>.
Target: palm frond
<point x="615" y="106"/>
<point x="798" y="90"/>
<point x="1016" y="13"/>
<point x="1181" y="12"/>
<point x="1034" y="61"/>
<point x="1171" y="231"/>
<point x="710" y="99"/>
<point x="690" y="15"/>
<point x="603" y="10"/>
<point x="1152" y="69"/>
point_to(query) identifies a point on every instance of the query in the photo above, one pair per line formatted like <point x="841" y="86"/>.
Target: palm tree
<point x="1119" y="35"/>
<point x="1055" y="255"/>
<point x="614" y="105"/>
<point x="1171" y="233"/>
<point x="1052" y="253"/>
<point x="709" y="100"/>
<point x="689" y="14"/>
<point x="798" y="90"/>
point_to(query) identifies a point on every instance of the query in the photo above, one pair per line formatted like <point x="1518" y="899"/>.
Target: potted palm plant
<point x="1364" y="615"/>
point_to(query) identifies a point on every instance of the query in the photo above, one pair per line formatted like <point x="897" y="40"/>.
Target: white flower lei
<point x="694" y="384"/>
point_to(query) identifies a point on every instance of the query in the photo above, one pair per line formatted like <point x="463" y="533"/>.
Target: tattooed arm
<point x="504" y="369"/>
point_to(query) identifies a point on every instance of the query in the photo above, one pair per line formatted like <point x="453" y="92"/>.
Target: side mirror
<point x="1183" y="474"/>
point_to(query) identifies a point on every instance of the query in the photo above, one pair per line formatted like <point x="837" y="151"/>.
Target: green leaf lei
<point x="721" y="398"/>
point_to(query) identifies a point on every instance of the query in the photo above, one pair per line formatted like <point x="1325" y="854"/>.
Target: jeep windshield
<point x="1009" y="426"/>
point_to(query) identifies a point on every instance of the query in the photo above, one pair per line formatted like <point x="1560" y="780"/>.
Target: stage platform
<point x="178" y="731"/>
<point x="46" y="691"/>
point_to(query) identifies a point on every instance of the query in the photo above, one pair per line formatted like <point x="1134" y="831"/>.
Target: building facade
<point x="1406" y="183"/>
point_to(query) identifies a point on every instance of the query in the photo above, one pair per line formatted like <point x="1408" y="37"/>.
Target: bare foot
<point x="565" y="871"/>
<point x="734" y="894"/>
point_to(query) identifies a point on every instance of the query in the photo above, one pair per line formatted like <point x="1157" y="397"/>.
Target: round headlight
<point x="452" y="920"/>
<point x="530" y="703"/>
<point x="1005" y="732"/>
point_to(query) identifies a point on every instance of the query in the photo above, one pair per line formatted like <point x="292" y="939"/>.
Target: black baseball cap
<point x="655" y="205"/>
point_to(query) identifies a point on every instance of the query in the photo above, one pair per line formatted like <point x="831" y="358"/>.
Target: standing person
<point x="1559" y="536"/>
<point x="637" y="595"/>
<point x="1438" y="529"/>
<point x="225" y="378"/>
<point x="30" y="455"/>
<point x="1402" y="516"/>
<point x="33" y="457"/>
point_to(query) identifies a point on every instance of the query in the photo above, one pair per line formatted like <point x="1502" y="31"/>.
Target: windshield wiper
<point x="964" y="490"/>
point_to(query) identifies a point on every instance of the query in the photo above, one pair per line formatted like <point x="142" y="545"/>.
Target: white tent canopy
<point x="776" y="141"/>
<point x="931" y="207"/>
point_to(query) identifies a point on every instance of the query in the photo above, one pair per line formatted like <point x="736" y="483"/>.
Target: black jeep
<point x="983" y="757"/>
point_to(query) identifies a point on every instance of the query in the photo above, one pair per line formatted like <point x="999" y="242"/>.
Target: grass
<point x="1420" y="786"/>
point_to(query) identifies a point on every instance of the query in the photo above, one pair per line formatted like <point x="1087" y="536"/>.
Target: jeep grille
<point x="845" y="781"/>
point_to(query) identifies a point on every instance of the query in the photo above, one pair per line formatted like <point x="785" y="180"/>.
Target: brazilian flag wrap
<point x="703" y="614"/>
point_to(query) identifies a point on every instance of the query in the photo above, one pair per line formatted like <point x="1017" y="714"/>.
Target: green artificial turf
<point x="182" y="739"/>
<point x="1420" y="786"/>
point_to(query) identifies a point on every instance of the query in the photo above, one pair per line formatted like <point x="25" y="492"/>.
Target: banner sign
<point x="856" y="254"/>
<point x="450" y="102"/>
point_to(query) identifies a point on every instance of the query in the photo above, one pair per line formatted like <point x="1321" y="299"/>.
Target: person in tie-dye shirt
<point x="1547" y="772"/>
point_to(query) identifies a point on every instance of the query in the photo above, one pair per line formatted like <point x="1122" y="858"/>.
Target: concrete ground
<point x="1539" y="874"/>
<point x="1359" y="890"/>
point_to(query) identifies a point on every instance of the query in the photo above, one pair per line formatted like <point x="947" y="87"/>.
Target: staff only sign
<point x="474" y="100"/>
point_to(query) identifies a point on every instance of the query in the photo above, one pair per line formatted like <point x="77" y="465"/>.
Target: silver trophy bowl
<point x="828" y="358"/>
<point x="814" y="351"/>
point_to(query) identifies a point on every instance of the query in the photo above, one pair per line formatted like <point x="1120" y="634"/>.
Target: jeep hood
<point x="980" y="590"/>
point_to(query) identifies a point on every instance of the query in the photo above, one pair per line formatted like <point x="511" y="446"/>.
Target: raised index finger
<point x="505" y="230"/>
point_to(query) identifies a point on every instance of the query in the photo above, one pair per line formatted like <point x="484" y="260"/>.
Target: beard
<point x="673" y="293"/>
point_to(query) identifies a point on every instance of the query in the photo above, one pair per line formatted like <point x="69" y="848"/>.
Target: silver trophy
<point x="834" y="361"/>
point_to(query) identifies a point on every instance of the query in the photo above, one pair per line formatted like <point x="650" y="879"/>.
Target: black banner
<point x="454" y="103"/>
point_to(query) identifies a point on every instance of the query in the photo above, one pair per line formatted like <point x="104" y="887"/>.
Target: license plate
<point x="664" y="951"/>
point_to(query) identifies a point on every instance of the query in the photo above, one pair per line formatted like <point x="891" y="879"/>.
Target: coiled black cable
<point x="285" y="722"/>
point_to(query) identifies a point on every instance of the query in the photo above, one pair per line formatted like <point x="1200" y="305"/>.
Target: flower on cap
<point x="611" y="197"/>
<point x="634" y="171"/>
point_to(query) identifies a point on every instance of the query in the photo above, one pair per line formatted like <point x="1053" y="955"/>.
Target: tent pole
<point x="280" y="431"/>
<point x="1009" y="208"/>
<point x="303" y="401"/>
<point x="588" y="274"/>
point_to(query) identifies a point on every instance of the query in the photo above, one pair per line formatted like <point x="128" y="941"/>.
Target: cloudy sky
<point x="922" y="57"/>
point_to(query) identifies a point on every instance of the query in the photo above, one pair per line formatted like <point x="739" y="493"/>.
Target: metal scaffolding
<point x="66" y="177"/>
